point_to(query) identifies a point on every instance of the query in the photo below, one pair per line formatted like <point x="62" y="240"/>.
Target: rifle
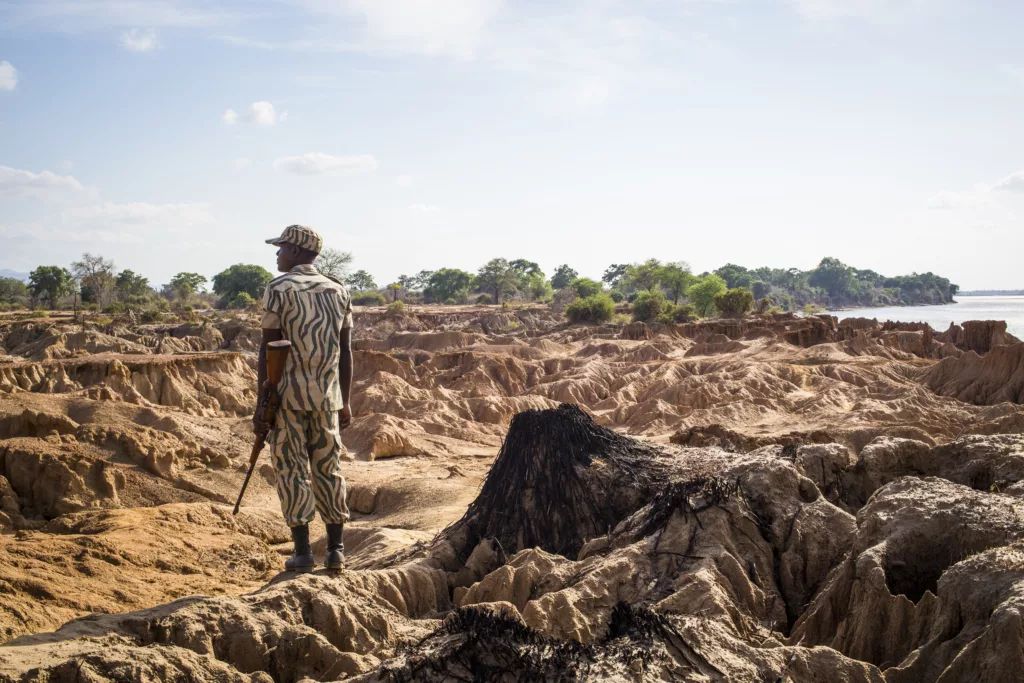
<point x="277" y="354"/>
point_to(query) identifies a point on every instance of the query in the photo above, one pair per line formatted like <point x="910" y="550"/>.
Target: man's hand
<point x="344" y="417"/>
<point x="260" y="426"/>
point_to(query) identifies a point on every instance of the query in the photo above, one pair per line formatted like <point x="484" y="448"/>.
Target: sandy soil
<point x="766" y="499"/>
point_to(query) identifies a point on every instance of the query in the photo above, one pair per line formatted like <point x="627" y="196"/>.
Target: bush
<point x="734" y="303"/>
<point x="483" y="299"/>
<point x="241" y="300"/>
<point x="452" y="302"/>
<point x="673" y="314"/>
<point x="649" y="305"/>
<point x="616" y="296"/>
<point x="369" y="299"/>
<point x="586" y="287"/>
<point x="598" y="308"/>
<point x="620" y="319"/>
<point x="763" y="305"/>
<point x="812" y="309"/>
<point x="151" y="316"/>
<point x="396" y="308"/>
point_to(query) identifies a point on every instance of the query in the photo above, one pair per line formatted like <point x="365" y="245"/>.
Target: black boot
<point x="302" y="559"/>
<point x="335" y="547"/>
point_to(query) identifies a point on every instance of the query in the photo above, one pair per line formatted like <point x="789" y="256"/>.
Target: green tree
<point x="614" y="273"/>
<point x="96" y="273"/>
<point x="760" y="289"/>
<point x="334" y="263"/>
<point x="735" y="276"/>
<point x="649" y="305"/>
<point x="498" y="277"/>
<point x="702" y="293"/>
<point x="563" y="276"/>
<point x="51" y="283"/>
<point x="239" y="278"/>
<point x="12" y="290"/>
<point x="734" y="303"/>
<point x="526" y="268"/>
<point x="361" y="281"/>
<point x="447" y="283"/>
<point x="832" y="275"/>
<point x="129" y="283"/>
<point x="598" y="308"/>
<point x="408" y="282"/>
<point x="586" y="287"/>
<point x="644" y="275"/>
<point x="540" y="289"/>
<point x="676" y="278"/>
<point x="394" y="288"/>
<point x="421" y="280"/>
<point x="185" y="285"/>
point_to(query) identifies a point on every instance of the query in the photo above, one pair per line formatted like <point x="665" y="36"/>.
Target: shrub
<point x="812" y="309"/>
<point x="483" y="299"/>
<point x="396" y="308"/>
<point x="649" y="305"/>
<point x="763" y="305"/>
<point x="616" y="296"/>
<point x="734" y="303"/>
<point x="620" y="319"/>
<point x="586" y="287"/>
<point x="632" y="297"/>
<point x="151" y="316"/>
<point x="241" y="300"/>
<point x="369" y="299"/>
<point x="452" y="302"/>
<point x="683" y="313"/>
<point x="598" y="308"/>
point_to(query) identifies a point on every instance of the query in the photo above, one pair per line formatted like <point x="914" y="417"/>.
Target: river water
<point x="1008" y="308"/>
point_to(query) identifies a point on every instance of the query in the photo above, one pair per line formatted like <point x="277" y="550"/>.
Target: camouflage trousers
<point x="305" y="442"/>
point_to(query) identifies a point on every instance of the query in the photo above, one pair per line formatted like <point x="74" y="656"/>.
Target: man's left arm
<point x="345" y="377"/>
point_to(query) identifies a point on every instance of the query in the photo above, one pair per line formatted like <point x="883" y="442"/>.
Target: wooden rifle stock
<point x="277" y="355"/>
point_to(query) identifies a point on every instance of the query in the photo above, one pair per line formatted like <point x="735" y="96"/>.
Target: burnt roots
<point x="559" y="480"/>
<point x="686" y="497"/>
<point x="475" y="645"/>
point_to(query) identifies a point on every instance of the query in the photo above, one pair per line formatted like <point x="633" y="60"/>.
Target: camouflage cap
<point x="300" y="236"/>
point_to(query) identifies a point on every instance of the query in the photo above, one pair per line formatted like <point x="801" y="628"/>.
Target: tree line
<point x="666" y="291"/>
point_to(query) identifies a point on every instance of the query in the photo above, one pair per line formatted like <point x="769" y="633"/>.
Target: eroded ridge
<point x="768" y="499"/>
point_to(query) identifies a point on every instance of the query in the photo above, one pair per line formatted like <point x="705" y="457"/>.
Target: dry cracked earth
<point x="772" y="499"/>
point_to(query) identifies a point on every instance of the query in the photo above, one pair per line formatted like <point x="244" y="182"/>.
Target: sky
<point x="178" y="135"/>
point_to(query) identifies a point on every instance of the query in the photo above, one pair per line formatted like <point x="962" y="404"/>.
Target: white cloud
<point x="455" y="28"/>
<point x="173" y="216"/>
<point x="137" y="40"/>
<point x="19" y="183"/>
<point x="823" y="10"/>
<point x="403" y="181"/>
<point x="47" y="233"/>
<point x="1011" y="183"/>
<point x="424" y="208"/>
<point x="95" y="15"/>
<point x="259" y="113"/>
<point x="8" y="76"/>
<point x="318" y="163"/>
<point x="262" y="114"/>
<point x="241" y="164"/>
<point x="951" y="201"/>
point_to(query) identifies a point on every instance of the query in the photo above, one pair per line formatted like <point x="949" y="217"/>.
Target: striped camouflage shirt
<point x="311" y="310"/>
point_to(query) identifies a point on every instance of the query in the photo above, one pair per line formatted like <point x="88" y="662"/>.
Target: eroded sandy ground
<point x="758" y="500"/>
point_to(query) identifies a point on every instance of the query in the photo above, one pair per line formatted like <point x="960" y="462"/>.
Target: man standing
<point x="314" y="313"/>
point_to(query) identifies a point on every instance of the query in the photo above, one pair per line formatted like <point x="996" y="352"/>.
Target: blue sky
<point x="172" y="135"/>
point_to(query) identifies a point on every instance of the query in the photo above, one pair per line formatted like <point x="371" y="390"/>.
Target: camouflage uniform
<point x="310" y="309"/>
